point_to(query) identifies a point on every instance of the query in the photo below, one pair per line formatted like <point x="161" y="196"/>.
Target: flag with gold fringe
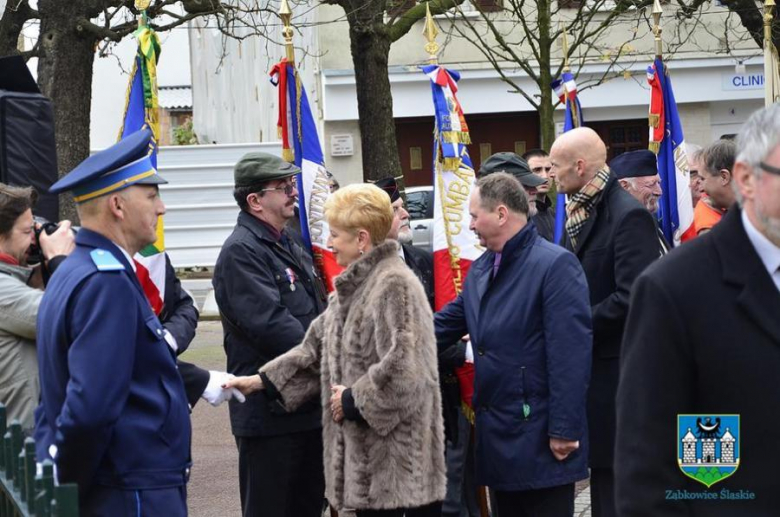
<point x="455" y="247"/>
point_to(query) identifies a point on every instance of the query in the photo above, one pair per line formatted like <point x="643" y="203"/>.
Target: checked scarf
<point x="581" y="204"/>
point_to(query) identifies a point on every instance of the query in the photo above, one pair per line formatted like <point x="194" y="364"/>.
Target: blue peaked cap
<point x="634" y="164"/>
<point x="127" y="162"/>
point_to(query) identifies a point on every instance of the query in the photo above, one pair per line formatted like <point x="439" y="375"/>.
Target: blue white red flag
<point x="301" y="145"/>
<point x="566" y="89"/>
<point x="675" y="214"/>
<point x="455" y="247"/>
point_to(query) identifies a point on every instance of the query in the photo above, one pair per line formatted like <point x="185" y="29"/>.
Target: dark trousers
<point x="557" y="501"/>
<point x="281" y="476"/>
<point x="461" y="499"/>
<point x="429" y="510"/>
<point x="602" y="492"/>
<point x="103" y="501"/>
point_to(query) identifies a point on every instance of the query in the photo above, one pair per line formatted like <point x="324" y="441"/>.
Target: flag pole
<point x="142" y="6"/>
<point x="770" y="57"/>
<point x="285" y="13"/>
<point x="657" y="12"/>
<point x="575" y="118"/>
<point x="431" y="31"/>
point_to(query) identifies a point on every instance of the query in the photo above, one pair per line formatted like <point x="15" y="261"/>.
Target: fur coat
<point x="376" y="337"/>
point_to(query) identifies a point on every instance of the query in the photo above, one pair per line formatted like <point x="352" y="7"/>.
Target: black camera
<point x="41" y="225"/>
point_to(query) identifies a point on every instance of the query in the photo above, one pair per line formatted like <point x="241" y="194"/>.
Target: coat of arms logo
<point x="708" y="447"/>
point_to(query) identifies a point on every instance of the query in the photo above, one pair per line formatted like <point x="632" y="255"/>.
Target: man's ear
<point x="725" y="176"/>
<point x="117" y="205"/>
<point x="625" y="184"/>
<point x="503" y="213"/>
<point x="253" y="202"/>
<point x="745" y="179"/>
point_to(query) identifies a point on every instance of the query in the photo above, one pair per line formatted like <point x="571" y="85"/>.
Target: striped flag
<point x="142" y="111"/>
<point x="301" y="145"/>
<point x="675" y="214"/>
<point x="566" y="89"/>
<point x="455" y="247"/>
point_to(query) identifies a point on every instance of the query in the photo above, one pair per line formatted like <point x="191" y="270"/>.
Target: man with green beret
<point x="268" y="293"/>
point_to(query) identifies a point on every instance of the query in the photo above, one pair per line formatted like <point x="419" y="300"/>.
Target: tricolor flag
<point x="301" y="145"/>
<point x="566" y="89"/>
<point x="675" y="214"/>
<point x="455" y="247"/>
<point x="142" y="110"/>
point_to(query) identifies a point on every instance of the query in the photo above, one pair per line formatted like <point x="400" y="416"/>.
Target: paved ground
<point x="213" y="487"/>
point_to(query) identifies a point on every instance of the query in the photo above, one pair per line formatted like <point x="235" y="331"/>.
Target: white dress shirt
<point x="767" y="251"/>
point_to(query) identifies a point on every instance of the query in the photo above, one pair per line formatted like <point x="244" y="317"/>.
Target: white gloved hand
<point x="469" y="352"/>
<point x="215" y="395"/>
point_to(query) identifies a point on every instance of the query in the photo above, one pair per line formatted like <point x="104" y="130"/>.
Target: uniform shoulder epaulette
<point x="105" y="261"/>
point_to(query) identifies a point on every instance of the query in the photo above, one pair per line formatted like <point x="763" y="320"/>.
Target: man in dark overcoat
<point x="525" y="306"/>
<point x="615" y="239"/>
<point x="703" y="338"/>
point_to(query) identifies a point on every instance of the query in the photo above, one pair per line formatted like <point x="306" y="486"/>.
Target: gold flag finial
<point x="565" y="47"/>
<point x="431" y="31"/>
<point x="285" y="13"/>
<point x="657" y="12"/>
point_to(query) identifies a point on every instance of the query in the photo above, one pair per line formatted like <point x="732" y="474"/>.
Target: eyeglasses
<point x="769" y="168"/>
<point x="288" y="188"/>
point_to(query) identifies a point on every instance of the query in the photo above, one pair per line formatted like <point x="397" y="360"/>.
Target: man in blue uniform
<point x="113" y="412"/>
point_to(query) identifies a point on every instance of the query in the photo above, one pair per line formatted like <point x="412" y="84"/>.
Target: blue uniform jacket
<point x="112" y="401"/>
<point x="530" y="330"/>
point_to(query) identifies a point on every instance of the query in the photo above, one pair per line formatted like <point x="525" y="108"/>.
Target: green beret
<point x="256" y="168"/>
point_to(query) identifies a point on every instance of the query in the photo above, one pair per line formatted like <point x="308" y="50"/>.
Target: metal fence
<point x="200" y="209"/>
<point x="23" y="492"/>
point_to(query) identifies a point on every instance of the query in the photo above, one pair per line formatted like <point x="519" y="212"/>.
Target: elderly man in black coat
<point x="615" y="239"/>
<point x="637" y="173"/>
<point x="703" y="338"/>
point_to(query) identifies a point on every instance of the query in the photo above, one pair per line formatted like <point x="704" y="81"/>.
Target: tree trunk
<point x="370" y="45"/>
<point x="65" y="76"/>
<point x="11" y="23"/>
<point x="545" y="43"/>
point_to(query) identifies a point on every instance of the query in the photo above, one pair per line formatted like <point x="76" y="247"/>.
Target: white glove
<point x="215" y="395"/>
<point x="469" y="352"/>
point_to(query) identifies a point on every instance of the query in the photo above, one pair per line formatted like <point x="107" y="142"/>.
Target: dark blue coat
<point x="112" y="402"/>
<point x="530" y="330"/>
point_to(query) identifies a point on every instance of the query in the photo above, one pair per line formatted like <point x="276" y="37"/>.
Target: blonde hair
<point x="361" y="206"/>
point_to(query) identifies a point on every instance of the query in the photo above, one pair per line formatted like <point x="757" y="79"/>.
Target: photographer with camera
<point x="20" y="295"/>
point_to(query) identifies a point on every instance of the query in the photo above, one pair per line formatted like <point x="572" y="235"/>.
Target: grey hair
<point x="757" y="138"/>
<point x="501" y="188"/>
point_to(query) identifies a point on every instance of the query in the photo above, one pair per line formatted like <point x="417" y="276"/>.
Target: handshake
<point x="215" y="394"/>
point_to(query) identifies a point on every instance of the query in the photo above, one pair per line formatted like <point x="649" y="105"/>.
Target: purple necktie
<point x="496" y="263"/>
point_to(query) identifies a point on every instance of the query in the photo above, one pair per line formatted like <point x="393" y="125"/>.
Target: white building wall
<point x="233" y="99"/>
<point x="112" y="73"/>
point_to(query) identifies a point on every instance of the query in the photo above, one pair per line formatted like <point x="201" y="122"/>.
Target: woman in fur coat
<point x="371" y="358"/>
